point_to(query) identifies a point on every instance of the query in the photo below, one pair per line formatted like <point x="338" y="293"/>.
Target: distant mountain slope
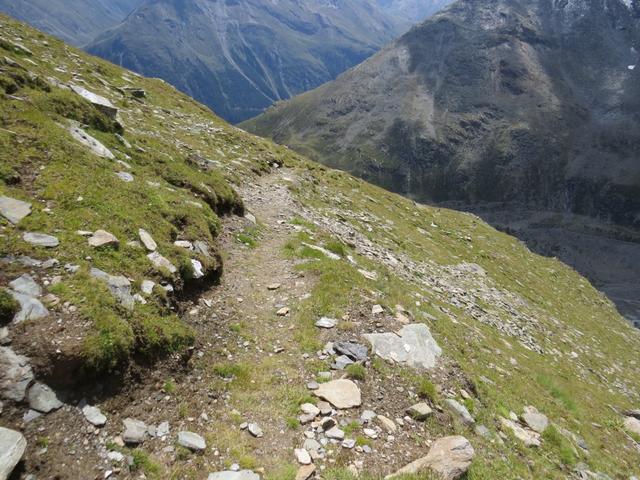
<point x="75" y="21"/>
<point x="534" y="102"/>
<point x="413" y="10"/>
<point x="239" y="57"/>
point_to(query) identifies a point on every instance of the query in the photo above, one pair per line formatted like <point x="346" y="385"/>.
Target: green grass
<point x="8" y="306"/>
<point x="142" y="461"/>
<point x="239" y="373"/>
<point x="427" y="390"/>
<point x="555" y="441"/>
<point x="356" y="371"/>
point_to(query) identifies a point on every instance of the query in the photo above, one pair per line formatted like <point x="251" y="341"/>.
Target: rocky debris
<point x="160" y="262"/>
<point x="94" y="416"/>
<point x="147" y="240"/>
<point x="12" y="447"/>
<point x="341" y="393"/>
<point x="535" y="420"/>
<point x="88" y="141"/>
<point x="40" y="239"/>
<point x="387" y="423"/>
<point x="309" y="413"/>
<point x="30" y="308"/>
<point x="305" y="472"/>
<point x="15" y="375"/>
<point x="42" y="398"/>
<point x="102" y="238"/>
<point x="420" y="411"/>
<point x="26" y="285"/>
<point x="134" y="432"/>
<point x="459" y="411"/>
<point x="302" y="456"/>
<point x="335" y="433"/>
<point x="377" y="310"/>
<point x="192" y="441"/>
<point x="103" y="104"/>
<point x="449" y="457"/>
<point x="14" y="210"/>
<point x="119" y="286"/>
<point x="255" y="430"/>
<point x="326" y="322"/>
<point x="632" y="424"/>
<point x="231" y="475"/>
<point x="324" y="251"/>
<point x="355" y="351"/>
<point x="125" y="177"/>
<point x="528" y="437"/>
<point x="412" y="345"/>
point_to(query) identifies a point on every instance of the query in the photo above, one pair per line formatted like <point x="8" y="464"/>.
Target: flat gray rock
<point x="460" y="411"/>
<point x="230" y="475"/>
<point x="98" y="101"/>
<point x="119" y="286"/>
<point x="40" y="239"/>
<point x="255" y="430"/>
<point x="125" y="177"/>
<point x="535" y="420"/>
<point x="15" y="375"/>
<point x="340" y="393"/>
<point x="147" y="286"/>
<point x="42" y="398"/>
<point x="14" y="210"/>
<point x="26" y="285"/>
<point x="30" y="308"/>
<point x="135" y="431"/>
<point x="161" y="262"/>
<point x="94" y="416"/>
<point x="102" y="238"/>
<point x="326" y="322"/>
<point x="342" y="362"/>
<point x="355" y="351"/>
<point x="12" y="447"/>
<point x="420" y="411"/>
<point x="192" y="441"/>
<point x="147" y="240"/>
<point x="88" y="141"/>
<point x="413" y="345"/>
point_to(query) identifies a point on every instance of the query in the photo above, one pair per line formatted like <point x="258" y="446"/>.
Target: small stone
<point x="186" y="244"/>
<point x="30" y="308"/>
<point x="147" y="287"/>
<point x="283" y="312"/>
<point x="102" y="238"/>
<point x="40" y="239"/>
<point x="460" y="411"/>
<point x="325" y="408"/>
<point x="234" y="475"/>
<point x="15" y="375"/>
<point x="310" y="409"/>
<point x="162" y="430"/>
<point x="161" y="262"/>
<point x="387" y="424"/>
<point x="42" y="398"/>
<point x="305" y="472"/>
<point x="340" y="393"/>
<point x="125" y="176"/>
<point x="528" y="437"/>
<point x="135" y="431"/>
<point x="147" y="240"/>
<point x="14" y="210"/>
<point x="377" y="310"/>
<point x="115" y="456"/>
<point x="326" y="322"/>
<point x="12" y="447"/>
<point x="313" y="385"/>
<point x="273" y="286"/>
<point x="88" y="141"/>
<point x="192" y="441"/>
<point x="94" y="416"/>
<point x="353" y="350"/>
<point x="342" y="362"/>
<point x="335" y="433"/>
<point x="420" y="411"/>
<point x="30" y="416"/>
<point x="535" y="420"/>
<point x="348" y="443"/>
<point x="370" y="432"/>
<point x="255" y="430"/>
<point x="302" y="456"/>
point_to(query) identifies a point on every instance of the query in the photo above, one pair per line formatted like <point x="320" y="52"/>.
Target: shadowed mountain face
<point x="534" y="102"/>
<point x="413" y="10"/>
<point x="239" y="56"/>
<point x="75" y="21"/>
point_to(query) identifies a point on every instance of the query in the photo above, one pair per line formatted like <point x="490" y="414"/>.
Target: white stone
<point x="302" y="456"/>
<point x="161" y="262"/>
<point x="340" y="393"/>
<point x="191" y="440"/>
<point x="147" y="240"/>
<point x="94" y="416"/>
<point x="14" y="210"/>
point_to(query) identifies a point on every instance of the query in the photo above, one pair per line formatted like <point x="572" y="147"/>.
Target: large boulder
<point x="340" y="393"/>
<point x="12" y="447"/>
<point x="449" y="457"/>
<point x="413" y="345"/>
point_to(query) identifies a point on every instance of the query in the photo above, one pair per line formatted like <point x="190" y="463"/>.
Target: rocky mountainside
<point x="532" y="102"/>
<point x="181" y="299"/>
<point x="239" y="57"/>
<point x="75" y="21"/>
<point x="413" y="10"/>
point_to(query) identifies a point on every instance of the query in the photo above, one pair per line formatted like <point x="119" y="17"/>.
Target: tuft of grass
<point x="563" y="397"/>
<point x="169" y="386"/>
<point x="9" y="306"/>
<point x="427" y="390"/>
<point x="351" y="427"/>
<point x="239" y="373"/>
<point x="356" y="371"/>
<point x="143" y="461"/>
<point x="554" y="440"/>
<point x="292" y="423"/>
<point x="336" y="247"/>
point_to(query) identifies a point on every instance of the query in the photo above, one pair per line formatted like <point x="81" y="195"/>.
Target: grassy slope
<point x="55" y="171"/>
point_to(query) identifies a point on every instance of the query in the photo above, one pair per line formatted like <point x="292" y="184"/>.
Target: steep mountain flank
<point x="530" y="102"/>
<point x="239" y="57"/>
<point x="181" y="299"/>
<point x="413" y="10"/>
<point x="75" y="21"/>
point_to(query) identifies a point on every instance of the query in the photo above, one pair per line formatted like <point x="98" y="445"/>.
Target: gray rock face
<point x="40" y="239"/>
<point x="535" y="420"/>
<point x="632" y="425"/>
<point x="15" y="375"/>
<point x="449" y="457"/>
<point x="119" y="286"/>
<point x="88" y="141"/>
<point x="147" y="240"/>
<point x="14" y="210"/>
<point x="460" y="411"/>
<point x="12" y="447"/>
<point x="43" y="399"/>
<point x="161" y="262"/>
<point x="102" y="238"/>
<point x="98" y="101"/>
<point x="135" y="431"/>
<point x="230" y="475"/>
<point x="191" y="440"/>
<point x="30" y="308"/>
<point x="412" y="345"/>
<point x="340" y="393"/>
<point x="94" y="416"/>
<point x="26" y="285"/>
<point x="355" y="351"/>
<point x="342" y="362"/>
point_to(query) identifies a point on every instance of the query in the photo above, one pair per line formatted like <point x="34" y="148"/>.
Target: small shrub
<point x="169" y="386"/>
<point x="356" y="371"/>
<point x="556" y="441"/>
<point x="427" y="390"/>
<point x="8" y="306"/>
